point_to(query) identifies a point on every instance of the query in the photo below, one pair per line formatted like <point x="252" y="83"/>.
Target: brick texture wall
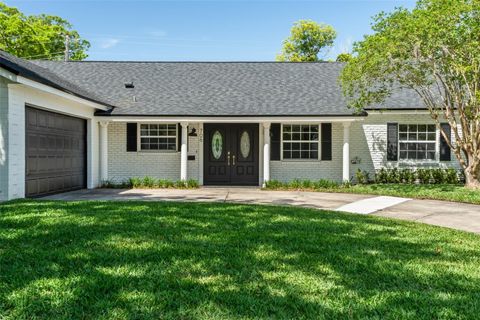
<point x="161" y="165"/>
<point x="3" y="140"/>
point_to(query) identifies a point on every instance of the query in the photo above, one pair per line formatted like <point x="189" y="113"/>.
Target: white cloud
<point x="109" y="43"/>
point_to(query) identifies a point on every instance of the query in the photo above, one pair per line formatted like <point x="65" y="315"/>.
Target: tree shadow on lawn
<point x="151" y="260"/>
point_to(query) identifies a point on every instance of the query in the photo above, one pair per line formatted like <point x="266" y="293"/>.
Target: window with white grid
<point x="300" y="141"/>
<point x="158" y="137"/>
<point x="417" y="141"/>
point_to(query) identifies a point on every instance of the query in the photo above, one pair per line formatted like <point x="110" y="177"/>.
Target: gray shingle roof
<point x="216" y="88"/>
<point x="32" y="71"/>
<point x="206" y="88"/>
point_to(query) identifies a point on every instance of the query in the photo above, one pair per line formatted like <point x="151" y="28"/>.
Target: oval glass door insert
<point x="245" y="144"/>
<point x="217" y="145"/>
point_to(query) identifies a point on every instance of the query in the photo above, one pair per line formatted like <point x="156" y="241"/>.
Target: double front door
<point x="231" y="154"/>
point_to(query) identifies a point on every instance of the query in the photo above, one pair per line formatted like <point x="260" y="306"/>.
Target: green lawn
<point x="135" y="260"/>
<point x="447" y="192"/>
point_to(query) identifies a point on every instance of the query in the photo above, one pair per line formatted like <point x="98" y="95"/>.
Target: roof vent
<point x="129" y="85"/>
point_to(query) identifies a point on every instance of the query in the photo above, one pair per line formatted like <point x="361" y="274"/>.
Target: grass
<point x="447" y="192"/>
<point x="150" y="260"/>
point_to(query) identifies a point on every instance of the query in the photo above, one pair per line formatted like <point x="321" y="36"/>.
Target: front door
<point x="231" y="154"/>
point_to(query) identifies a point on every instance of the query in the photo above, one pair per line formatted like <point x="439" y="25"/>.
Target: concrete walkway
<point x="441" y="213"/>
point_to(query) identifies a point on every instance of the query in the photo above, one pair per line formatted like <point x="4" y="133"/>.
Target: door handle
<point x="233" y="159"/>
<point x="228" y="158"/>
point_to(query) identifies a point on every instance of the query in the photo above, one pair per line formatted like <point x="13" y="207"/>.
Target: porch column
<point x="183" y="152"/>
<point x="346" y="151"/>
<point x="103" y="150"/>
<point x="266" y="152"/>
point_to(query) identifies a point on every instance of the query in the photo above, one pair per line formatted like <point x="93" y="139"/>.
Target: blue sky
<point x="196" y="30"/>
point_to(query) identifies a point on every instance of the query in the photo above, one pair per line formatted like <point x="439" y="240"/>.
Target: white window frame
<point x="418" y="161"/>
<point x="300" y="141"/>
<point x="139" y="137"/>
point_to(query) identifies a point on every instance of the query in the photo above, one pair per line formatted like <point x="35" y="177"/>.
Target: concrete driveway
<point x="440" y="213"/>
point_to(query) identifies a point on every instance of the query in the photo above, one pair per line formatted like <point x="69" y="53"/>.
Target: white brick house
<point x="70" y="125"/>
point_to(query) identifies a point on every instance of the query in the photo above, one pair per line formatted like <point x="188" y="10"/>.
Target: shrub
<point x="295" y="184"/>
<point x="180" y="184"/>
<point x="307" y="184"/>
<point x="325" y="184"/>
<point x="274" y="184"/>
<point x="192" y="184"/>
<point x="381" y="176"/>
<point x="135" y="182"/>
<point x="424" y="176"/>
<point x="437" y="176"/>
<point x="149" y="182"/>
<point x="407" y="176"/>
<point x="363" y="177"/>
<point x="451" y="176"/>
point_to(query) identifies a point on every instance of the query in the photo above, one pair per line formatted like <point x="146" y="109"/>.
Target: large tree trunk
<point x="472" y="175"/>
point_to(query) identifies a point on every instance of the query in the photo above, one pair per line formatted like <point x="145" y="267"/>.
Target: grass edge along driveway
<point x="121" y="260"/>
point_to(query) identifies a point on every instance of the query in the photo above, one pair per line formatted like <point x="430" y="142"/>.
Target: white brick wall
<point x="368" y="141"/>
<point x="3" y="140"/>
<point x="304" y="169"/>
<point x="161" y="165"/>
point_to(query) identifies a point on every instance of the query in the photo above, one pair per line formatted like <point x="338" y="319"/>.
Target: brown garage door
<point x="55" y="153"/>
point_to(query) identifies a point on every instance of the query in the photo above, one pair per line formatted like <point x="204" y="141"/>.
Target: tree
<point x="344" y="57"/>
<point x="307" y="39"/>
<point x="38" y="36"/>
<point x="433" y="50"/>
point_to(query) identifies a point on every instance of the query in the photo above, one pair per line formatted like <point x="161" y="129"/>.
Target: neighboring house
<point x="70" y="125"/>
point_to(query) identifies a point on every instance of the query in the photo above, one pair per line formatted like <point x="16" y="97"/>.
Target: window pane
<point x="314" y="146"/>
<point x="313" y="154"/>
<point x="422" y="128"/>
<point x="296" y="146"/>
<point x="412" y="136"/>
<point x="403" y="136"/>
<point x="296" y="128"/>
<point x="431" y="146"/>
<point x="412" y="127"/>
<point x="422" y="136"/>
<point x="431" y="136"/>
<point x="296" y="136"/>
<point x="287" y="128"/>
<point x="287" y="154"/>
<point x="287" y="146"/>
<point x="305" y="154"/>
<point x="431" y="128"/>
<point x="305" y="136"/>
<point x="403" y="128"/>
<point x="431" y="155"/>
<point x="403" y="154"/>
<point x="295" y="154"/>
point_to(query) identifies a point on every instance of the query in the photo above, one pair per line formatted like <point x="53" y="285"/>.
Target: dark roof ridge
<point x="199" y="62"/>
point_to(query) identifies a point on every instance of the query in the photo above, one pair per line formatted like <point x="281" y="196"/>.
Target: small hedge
<point x="383" y="176"/>
<point x="418" y="176"/>
<point x="150" y="183"/>
<point x="297" y="184"/>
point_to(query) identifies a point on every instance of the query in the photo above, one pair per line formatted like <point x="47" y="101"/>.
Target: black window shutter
<point x="444" y="147"/>
<point x="275" y="141"/>
<point x="392" y="141"/>
<point x="179" y="137"/>
<point x="326" y="141"/>
<point x="131" y="137"/>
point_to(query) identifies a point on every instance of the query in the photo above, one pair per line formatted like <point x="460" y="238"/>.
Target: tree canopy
<point x="433" y="50"/>
<point x="307" y="39"/>
<point x="344" y="57"/>
<point x="38" y="36"/>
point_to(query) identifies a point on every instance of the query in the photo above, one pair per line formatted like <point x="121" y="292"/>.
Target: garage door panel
<point x="55" y="153"/>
